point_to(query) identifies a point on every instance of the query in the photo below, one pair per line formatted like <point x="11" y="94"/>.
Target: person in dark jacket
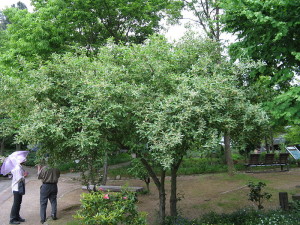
<point x="48" y="190"/>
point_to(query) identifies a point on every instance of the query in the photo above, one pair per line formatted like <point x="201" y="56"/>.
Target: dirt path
<point x="30" y="205"/>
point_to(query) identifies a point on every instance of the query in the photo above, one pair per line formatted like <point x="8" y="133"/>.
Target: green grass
<point x="119" y="171"/>
<point x="119" y="158"/>
<point x="73" y="222"/>
<point x="113" y="160"/>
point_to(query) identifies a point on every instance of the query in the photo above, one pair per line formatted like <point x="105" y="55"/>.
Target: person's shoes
<point x="42" y="221"/>
<point x="14" y="222"/>
<point x="21" y="219"/>
<point x="54" y="217"/>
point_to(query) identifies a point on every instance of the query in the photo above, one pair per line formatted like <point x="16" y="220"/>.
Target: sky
<point x="7" y="3"/>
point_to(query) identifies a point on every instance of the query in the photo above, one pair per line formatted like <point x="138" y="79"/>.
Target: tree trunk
<point x="2" y="146"/>
<point x="91" y="175"/>
<point x="160" y="184"/>
<point x="218" y="30"/>
<point x="228" y="154"/>
<point x="267" y="146"/>
<point x="173" y="197"/>
<point x="162" y="198"/>
<point x="105" y="170"/>
<point x="147" y="181"/>
<point x="272" y="141"/>
<point x="18" y="147"/>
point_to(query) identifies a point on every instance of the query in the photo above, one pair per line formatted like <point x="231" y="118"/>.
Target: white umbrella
<point x="13" y="160"/>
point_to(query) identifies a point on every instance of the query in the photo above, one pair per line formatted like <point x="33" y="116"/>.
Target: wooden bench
<point x="269" y="160"/>
<point x="113" y="188"/>
<point x="283" y="161"/>
<point x="253" y="161"/>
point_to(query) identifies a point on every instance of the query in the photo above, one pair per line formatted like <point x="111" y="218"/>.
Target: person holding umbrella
<point x="13" y="165"/>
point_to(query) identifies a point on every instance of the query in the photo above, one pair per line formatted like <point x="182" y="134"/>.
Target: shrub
<point x="179" y="220"/>
<point x="294" y="206"/>
<point x="109" y="208"/>
<point x="238" y="217"/>
<point x="250" y="217"/>
<point x="201" y="165"/>
<point x="119" y="158"/>
<point x="276" y="218"/>
<point x="256" y="195"/>
<point x="65" y="167"/>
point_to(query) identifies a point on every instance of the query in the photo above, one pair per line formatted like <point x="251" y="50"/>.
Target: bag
<point x="21" y="187"/>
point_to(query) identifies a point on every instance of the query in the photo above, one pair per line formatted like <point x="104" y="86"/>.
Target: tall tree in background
<point x="269" y="31"/>
<point x="3" y="21"/>
<point x="19" y="5"/>
<point x="9" y="88"/>
<point x="207" y="14"/>
<point x="58" y="26"/>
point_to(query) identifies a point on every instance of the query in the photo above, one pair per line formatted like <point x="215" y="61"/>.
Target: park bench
<point x="283" y="160"/>
<point x="253" y="161"/>
<point x="269" y="160"/>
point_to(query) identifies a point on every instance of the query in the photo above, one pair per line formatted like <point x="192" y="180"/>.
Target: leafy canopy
<point x="268" y="31"/>
<point x="157" y="99"/>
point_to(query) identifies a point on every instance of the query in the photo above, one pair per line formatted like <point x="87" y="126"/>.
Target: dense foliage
<point x="265" y="34"/>
<point x="245" y="217"/>
<point x="56" y="26"/>
<point x="268" y="31"/>
<point x="100" y="208"/>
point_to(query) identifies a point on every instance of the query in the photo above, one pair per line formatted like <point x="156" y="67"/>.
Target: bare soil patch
<point x="200" y="194"/>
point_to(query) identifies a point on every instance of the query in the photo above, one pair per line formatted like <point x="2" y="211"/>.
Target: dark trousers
<point x="15" y="209"/>
<point x="48" y="191"/>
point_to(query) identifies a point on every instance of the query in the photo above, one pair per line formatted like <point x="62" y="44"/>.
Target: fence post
<point x="283" y="200"/>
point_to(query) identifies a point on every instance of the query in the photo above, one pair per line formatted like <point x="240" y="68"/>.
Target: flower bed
<point x="99" y="208"/>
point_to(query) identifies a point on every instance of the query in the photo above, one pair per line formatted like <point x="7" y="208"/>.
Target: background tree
<point x="267" y="35"/>
<point x="264" y="34"/>
<point x="56" y="25"/>
<point x="207" y="13"/>
<point x="19" y="5"/>
<point x="7" y="124"/>
<point x="3" y="21"/>
<point x="293" y="135"/>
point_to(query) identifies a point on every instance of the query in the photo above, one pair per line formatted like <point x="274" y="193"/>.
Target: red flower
<point x="106" y="196"/>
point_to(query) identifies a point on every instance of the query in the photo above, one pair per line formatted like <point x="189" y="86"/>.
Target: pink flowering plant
<point x="109" y="208"/>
